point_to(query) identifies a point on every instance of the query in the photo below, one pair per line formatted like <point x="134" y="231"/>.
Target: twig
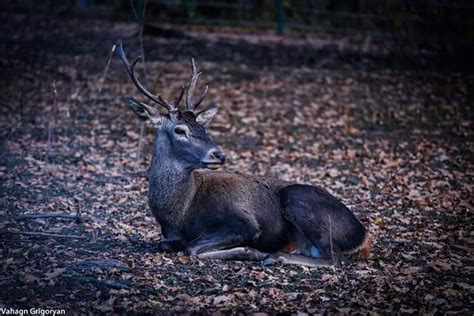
<point x="141" y="24"/>
<point x="47" y="215"/>
<point x="135" y="13"/>
<point x="140" y="142"/>
<point x="104" y="75"/>
<point x="45" y="234"/>
<point x="463" y="248"/>
<point x="101" y="264"/>
<point x="142" y="50"/>
<point x="69" y="127"/>
<point x="15" y="240"/>
<point x="106" y="70"/>
<point x="109" y="283"/>
<point x="330" y="237"/>
<point x="51" y="121"/>
<point x="5" y="278"/>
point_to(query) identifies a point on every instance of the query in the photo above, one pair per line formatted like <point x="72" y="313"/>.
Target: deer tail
<point x="363" y="250"/>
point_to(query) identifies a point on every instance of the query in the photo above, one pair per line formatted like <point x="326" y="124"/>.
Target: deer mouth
<point x="212" y="165"/>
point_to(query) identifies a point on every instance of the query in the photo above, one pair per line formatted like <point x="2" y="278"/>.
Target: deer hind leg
<point x="324" y="249"/>
<point x="315" y="215"/>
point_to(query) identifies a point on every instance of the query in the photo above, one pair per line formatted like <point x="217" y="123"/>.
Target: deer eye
<point x="181" y="131"/>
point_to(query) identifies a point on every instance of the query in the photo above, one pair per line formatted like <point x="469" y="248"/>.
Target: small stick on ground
<point x="51" y="121"/>
<point x="104" y="75"/>
<point x="70" y="125"/>
<point x="140" y="142"/>
<point x="15" y="240"/>
<point x="45" y="234"/>
<point x="6" y="278"/>
<point x="330" y="238"/>
<point x="106" y="70"/>
<point x="118" y="285"/>
<point x="101" y="264"/>
<point x="48" y="215"/>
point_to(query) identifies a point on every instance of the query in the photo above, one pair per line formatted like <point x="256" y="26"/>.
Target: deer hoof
<point x="270" y="260"/>
<point x="191" y="251"/>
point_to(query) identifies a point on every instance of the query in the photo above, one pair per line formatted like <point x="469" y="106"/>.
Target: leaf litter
<point x="394" y="143"/>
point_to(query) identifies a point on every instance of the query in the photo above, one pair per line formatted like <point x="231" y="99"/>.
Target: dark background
<point x="440" y="31"/>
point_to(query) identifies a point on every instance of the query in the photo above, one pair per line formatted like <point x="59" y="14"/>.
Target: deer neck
<point x="171" y="188"/>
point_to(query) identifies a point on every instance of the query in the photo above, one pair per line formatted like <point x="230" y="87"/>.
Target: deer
<point x="214" y="214"/>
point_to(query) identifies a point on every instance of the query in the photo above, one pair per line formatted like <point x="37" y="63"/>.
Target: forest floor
<point x="386" y="132"/>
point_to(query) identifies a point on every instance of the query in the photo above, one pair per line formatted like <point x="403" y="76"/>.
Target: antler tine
<point x="131" y="72"/>
<point x="192" y="84"/>
<point x="170" y="106"/>
<point x="203" y="95"/>
<point x="179" y="97"/>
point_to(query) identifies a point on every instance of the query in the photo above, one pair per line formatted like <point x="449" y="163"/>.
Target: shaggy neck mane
<point x="171" y="187"/>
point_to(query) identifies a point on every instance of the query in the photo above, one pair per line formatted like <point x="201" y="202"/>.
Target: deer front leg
<point x="237" y="253"/>
<point x="171" y="245"/>
<point x="224" y="231"/>
<point x="251" y="254"/>
<point x="214" y="241"/>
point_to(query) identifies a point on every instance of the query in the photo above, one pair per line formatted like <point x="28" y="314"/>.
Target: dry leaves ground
<point x="338" y="112"/>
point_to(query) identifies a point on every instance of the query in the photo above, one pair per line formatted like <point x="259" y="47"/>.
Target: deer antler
<point x="131" y="72"/>
<point x="192" y="84"/>
<point x="179" y="97"/>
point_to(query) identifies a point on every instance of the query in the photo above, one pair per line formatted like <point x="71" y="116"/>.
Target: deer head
<point x="181" y="133"/>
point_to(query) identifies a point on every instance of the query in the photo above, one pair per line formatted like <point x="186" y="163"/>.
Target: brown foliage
<point x="343" y="122"/>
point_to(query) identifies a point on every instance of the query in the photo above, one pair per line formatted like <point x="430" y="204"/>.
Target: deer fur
<point x="224" y="215"/>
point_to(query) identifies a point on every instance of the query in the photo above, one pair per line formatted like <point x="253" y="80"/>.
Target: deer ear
<point x="144" y="112"/>
<point x="138" y="108"/>
<point x="205" y="117"/>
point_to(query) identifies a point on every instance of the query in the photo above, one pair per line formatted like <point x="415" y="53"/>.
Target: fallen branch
<point x="5" y="278"/>
<point x="101" y="264"/>
<point x="109" y="283"/>
<point x="47" y="215"/>
<point x="330" y="238"/>
<point x="117" y="285"/>
<point x="45" y="234"/>
<point x="463" y="248"/>
<point x="14" y="240"/>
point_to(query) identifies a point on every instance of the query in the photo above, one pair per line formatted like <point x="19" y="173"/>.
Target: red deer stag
<point x="224" y="215"/>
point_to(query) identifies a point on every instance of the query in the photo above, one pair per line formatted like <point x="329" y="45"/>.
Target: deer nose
<point x="215" y="155"/>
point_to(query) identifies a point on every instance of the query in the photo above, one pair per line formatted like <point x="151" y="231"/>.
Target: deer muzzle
<point x="214" y="159"/>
